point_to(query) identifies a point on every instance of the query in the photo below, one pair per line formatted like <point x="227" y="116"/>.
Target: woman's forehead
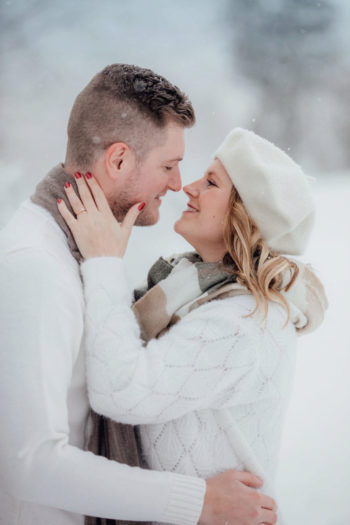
<point x="216" y="169"/>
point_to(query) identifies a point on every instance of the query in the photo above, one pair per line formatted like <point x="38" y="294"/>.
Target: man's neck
<point x="49" y="189"/>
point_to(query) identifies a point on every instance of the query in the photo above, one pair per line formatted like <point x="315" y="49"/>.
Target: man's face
<point x="153" y="177"/>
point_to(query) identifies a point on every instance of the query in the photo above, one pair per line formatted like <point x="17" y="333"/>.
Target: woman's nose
<point x="192" y="189"/>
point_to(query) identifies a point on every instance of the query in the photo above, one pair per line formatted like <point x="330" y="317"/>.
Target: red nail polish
<point x="88" y="175"/>
<point x="141" y="206"/>
<point x="77" y="175"/>
<point x="59" y="201"/>
<point x="67" y="185"/>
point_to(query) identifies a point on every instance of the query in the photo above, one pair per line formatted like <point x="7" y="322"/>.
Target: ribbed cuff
<point x="186" y="501"/>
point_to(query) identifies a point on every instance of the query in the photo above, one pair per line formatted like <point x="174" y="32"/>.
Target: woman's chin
<point x="180" y="228"/>
<point x="177" y="226"/>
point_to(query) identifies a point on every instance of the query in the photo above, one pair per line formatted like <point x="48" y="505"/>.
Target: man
<point x="126" y="127"/>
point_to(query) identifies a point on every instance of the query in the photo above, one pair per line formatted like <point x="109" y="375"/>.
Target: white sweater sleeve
<point x="209" y="359"/>
<point x="41" y="325"/>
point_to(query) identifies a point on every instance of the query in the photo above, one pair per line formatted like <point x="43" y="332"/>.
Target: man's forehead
<point x="173" y="148"/>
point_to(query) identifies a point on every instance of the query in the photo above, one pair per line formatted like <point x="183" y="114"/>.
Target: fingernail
<point x="59" y="201"/>
<point x="67" y="185"/>
<point x="88" y="175"/>
<point x="141" y="206"/>
<point x="77" y="175"/>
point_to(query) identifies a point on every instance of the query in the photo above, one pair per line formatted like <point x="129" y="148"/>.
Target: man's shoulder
<point x="32" y="230"/>
<point x="32" y="238"/>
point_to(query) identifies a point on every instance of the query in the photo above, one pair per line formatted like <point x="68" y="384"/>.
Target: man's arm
<point x="231" y="499"/>
<point x="41" y="327"/>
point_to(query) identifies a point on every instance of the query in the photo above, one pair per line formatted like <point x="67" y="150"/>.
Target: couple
<point x="189" y="378"/>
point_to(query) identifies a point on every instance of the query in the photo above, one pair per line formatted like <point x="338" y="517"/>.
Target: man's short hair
<point x="123" y="103"/>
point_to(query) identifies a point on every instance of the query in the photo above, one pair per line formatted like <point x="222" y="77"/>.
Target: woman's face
<point x="202" y="223"/>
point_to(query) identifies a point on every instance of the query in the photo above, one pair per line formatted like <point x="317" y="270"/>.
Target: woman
<point x="210" y="380"/>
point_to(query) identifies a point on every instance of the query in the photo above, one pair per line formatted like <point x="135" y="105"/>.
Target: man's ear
<point x="119" y="160"/>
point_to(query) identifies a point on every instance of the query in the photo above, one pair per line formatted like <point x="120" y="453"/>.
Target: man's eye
<point x="168" y="168"/>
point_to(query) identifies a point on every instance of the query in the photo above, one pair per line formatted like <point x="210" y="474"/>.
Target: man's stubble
<point x="125" y="199"/>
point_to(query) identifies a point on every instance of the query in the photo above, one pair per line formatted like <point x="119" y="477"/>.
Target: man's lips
<point x="158" y="197"/>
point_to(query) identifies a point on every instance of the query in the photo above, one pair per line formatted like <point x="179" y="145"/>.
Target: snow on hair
<point x="123" y="103"/>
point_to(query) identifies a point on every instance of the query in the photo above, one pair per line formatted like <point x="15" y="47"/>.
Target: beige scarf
<point x="179" y="284"/>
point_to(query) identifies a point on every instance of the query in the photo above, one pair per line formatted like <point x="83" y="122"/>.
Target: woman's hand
<point x="95" y="229"/>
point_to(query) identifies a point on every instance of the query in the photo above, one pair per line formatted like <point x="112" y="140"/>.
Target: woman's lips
<point x="191" y="209"/>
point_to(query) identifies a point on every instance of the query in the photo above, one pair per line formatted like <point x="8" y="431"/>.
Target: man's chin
<point x="147" y="219"/>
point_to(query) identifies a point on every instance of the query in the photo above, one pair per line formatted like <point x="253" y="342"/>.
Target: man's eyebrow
<point x="179" y="159"/>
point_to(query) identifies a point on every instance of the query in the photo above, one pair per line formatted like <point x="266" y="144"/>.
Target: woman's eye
<point x="211" y="183"/>
<point x="168" y="168"/>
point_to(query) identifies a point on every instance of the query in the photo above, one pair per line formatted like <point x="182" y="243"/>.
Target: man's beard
<point x="122" y="203"/>
<point x="121" y="206"/>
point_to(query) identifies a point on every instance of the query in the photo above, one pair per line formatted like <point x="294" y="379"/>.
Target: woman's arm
<point x="210" y="359"/>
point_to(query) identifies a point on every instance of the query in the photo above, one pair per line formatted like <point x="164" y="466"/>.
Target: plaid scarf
<point x="176" y="286"/>
<point x="179" y="284"/>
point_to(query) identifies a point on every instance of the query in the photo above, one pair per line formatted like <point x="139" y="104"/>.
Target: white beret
<point x="273" y="188"/>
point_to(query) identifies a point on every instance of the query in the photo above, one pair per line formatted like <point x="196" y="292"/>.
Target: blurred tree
<point x="286" y="49"/>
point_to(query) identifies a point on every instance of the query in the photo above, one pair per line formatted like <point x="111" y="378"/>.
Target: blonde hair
<point x="264" y="272"/>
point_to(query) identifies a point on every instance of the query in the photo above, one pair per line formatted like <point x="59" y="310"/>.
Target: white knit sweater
<point x="210" y="394"/>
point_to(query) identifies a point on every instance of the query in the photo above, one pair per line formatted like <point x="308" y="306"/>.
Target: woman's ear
<point x="119" y="160"/>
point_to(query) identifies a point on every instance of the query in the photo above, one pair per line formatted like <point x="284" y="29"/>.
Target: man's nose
<point x="174" y="181"/>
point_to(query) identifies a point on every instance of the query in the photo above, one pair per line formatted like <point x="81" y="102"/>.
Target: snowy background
<point x="280" y="67"/>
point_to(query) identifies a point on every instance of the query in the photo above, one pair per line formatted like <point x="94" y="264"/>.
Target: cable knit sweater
<point x="210" y="394"/>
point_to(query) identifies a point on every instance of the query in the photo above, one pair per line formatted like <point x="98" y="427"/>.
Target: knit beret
<point x="273" y="188"/>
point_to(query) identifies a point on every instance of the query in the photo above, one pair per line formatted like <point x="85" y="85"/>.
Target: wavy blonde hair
<point x="264" y="272"/>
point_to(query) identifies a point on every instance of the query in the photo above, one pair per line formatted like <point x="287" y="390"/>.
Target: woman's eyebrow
<point x="212" y="174"/>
